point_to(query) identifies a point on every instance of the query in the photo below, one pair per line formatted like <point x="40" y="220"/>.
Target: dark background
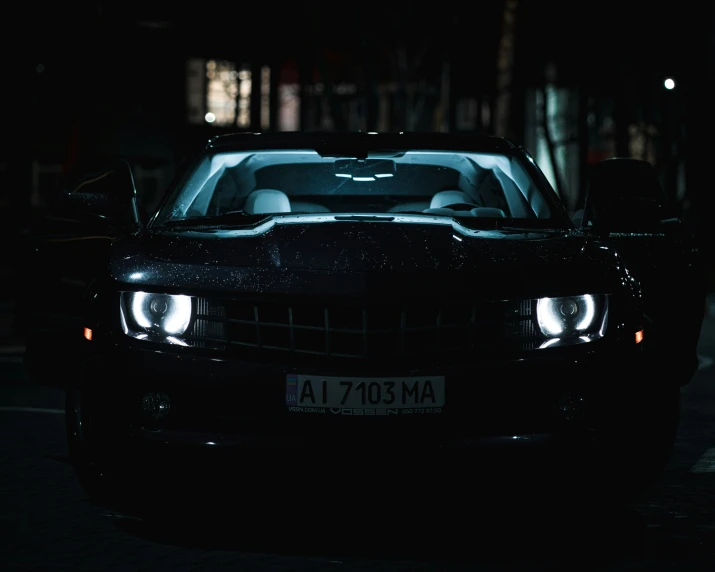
<point x="132" y="79"/>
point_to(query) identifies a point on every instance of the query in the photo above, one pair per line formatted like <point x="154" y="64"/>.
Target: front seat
<point x="264" y="201"/>
<point x="444" y="198"/>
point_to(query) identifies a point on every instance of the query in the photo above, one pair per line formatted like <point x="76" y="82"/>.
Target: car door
<point x="66" y="250"/>
<point x="626" y="208"/>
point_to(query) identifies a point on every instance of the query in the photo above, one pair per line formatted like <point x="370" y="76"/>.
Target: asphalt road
<point x="47" y="522"/>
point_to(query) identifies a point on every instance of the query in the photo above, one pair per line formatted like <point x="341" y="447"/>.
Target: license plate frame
<point x="350" y="395"/>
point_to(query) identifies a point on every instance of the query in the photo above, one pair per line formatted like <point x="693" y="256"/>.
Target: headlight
<point x="160" y="316"/>
<point x="572" y="319"/>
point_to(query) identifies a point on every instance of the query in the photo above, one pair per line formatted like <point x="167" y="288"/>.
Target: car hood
<point x="355" y="258"/>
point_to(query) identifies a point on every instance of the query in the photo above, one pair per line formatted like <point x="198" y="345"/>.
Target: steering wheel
<point x="461" y="206"/>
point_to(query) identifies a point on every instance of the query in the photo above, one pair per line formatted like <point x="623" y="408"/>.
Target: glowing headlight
<point x="572" y="317"/>
<point x="164" y="315"/>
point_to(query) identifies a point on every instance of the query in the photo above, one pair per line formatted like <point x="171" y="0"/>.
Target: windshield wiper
<point x="531" y="229"/>
<point x="499" y="223"/>
<point x="239" y="217"/>
<point x="238" y="212"/>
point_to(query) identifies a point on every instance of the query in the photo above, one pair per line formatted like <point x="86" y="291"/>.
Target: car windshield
<point x="262" y="183"/>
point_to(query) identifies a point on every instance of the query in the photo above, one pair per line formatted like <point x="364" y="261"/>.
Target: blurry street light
<point x="210" y="117"/>
<point x="669" y="83"/>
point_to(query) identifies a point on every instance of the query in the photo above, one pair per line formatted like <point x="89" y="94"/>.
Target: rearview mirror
<point x="101" y="188"/>
<point x="362" y="169"/>
<point x="625" y="196"/>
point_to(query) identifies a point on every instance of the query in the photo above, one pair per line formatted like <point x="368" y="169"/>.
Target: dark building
<point x="150" y="83"/>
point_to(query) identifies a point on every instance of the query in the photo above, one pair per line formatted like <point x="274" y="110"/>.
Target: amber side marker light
<point x="88" y="334"/>
<point x="639" y="336"/>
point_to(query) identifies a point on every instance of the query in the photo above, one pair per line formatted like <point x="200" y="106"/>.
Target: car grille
<point x="409" y="329"/>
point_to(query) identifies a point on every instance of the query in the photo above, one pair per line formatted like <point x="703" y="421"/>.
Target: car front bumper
<point x="214" y="403"/>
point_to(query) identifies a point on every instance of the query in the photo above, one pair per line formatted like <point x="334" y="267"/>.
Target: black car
<point x="289" y="286"/>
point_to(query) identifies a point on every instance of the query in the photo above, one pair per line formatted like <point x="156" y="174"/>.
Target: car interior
<point x="454" y="185"/>
<point x="450" y="203"/>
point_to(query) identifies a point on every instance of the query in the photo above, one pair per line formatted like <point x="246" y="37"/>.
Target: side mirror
<point x="103" y="191"/>
<point x="105" y="206"/>
<point x="625" y="196"/>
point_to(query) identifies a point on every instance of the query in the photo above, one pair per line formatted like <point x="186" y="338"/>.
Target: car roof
<point x="356" y="143"/>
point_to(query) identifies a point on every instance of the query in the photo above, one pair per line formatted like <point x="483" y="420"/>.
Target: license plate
<point x="364" y="396"/>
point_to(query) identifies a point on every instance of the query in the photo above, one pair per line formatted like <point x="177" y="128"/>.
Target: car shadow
<point x="496" y="528"/>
